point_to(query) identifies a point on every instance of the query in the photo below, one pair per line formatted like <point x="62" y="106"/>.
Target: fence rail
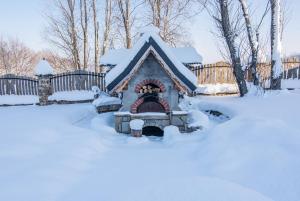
<point x="18" y="85"/>
<point x="77" y="80"/>
<point x="222" y="72"/>
<point x="211" y="74"/>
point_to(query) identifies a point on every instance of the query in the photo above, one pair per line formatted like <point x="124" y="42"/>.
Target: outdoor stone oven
<point x="150" y="81"/>
<point x="149" y="99"/>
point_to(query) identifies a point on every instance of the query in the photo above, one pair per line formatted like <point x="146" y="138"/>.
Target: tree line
<point x="84" y="30"/>
<point x="81" y="31"/>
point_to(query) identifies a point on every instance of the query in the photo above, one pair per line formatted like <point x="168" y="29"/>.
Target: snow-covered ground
<point x="68" y="152"/>
<point x="290" y="83"/>
<point x="211" y="89"/>
<point x="75" y="95"/>
<point x="18" y="99"/>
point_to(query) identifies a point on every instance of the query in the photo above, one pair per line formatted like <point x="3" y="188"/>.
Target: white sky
<point x="23" y="19"/>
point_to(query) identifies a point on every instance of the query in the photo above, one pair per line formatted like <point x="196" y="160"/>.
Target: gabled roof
<point x="186" y="55"/>
<point x="150" y="41"/>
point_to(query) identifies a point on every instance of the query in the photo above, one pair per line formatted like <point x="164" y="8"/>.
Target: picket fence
<point x="69" y="81"/>
<point x="18" y="85"/>
<point x="223" y="73"/>
<point x="77" y="80"/>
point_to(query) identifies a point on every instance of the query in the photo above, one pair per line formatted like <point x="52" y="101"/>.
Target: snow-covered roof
<point x="43" y="68"/>
<point x="114" y="56"/>
<point x="186" y="55"/>
<point x="151" y="41"/>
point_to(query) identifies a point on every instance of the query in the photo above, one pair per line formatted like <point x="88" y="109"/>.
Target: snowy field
<point x="70" y="153"/>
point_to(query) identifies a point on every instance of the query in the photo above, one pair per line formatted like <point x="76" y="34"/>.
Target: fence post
<point x="44" y="89"/>
<point x="44" y="73"/>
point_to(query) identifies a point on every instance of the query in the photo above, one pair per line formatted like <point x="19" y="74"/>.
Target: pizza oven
<point x="149" y="97"/>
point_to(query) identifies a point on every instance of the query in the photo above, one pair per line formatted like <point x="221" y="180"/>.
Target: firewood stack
<point x="149" y="89"/>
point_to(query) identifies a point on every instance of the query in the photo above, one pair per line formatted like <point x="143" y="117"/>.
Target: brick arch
<point x="165" y="104"/>
<point x="150" y="81"/>
<point x="138" y="102"/>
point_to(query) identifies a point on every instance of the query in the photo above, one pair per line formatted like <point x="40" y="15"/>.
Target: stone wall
<point x="159" y="120"/>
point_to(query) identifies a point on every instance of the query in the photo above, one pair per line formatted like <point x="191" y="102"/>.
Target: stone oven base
<point x="160" y="120"/>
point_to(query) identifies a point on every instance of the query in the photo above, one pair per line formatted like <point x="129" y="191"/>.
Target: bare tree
<point x="228" y="25"/>
<point x="169" y="17"/>
<point x="253" y="41"/>
<point x="96" y="35"/>
<point x="84" y="26"/>
<point x="63" y="31"/>
<point x="124" y="7"/>
<point x="276" y="65"/>
<point x="16" y="58"/>
<point x="107" y="26"/>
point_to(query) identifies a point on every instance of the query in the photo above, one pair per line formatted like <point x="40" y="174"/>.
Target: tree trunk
<point x="75" y="51"/>
<point x="230" y="41"/>
<point x="127" y="25"/>
<point x="84" y="25"/>
<point x="252" y="42"/>
<point x="96" y="35"/>
<point x="107" y="28"/>
<point x="125" y="11"/>
<point x="276" y="65"/>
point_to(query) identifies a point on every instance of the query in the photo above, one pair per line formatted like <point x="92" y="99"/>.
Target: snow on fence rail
<point x="18" y="85"/>
<point x="77" y="80"/>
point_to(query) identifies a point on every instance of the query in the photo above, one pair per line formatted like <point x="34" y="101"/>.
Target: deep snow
<point x="18" y="99"/>
<point x="75" y="95"/>
<point x="68" y="152"/>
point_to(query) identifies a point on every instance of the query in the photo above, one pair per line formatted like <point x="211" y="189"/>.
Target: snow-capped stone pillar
<point x="44" y="73"/>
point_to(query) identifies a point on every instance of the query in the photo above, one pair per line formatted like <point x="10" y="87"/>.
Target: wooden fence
<point x="18" y="85"/>
<point x="293" y="73"/>
<point x="222" y="72"/>
<point x="77" y="80"/>
<point x="214" y="73"/>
